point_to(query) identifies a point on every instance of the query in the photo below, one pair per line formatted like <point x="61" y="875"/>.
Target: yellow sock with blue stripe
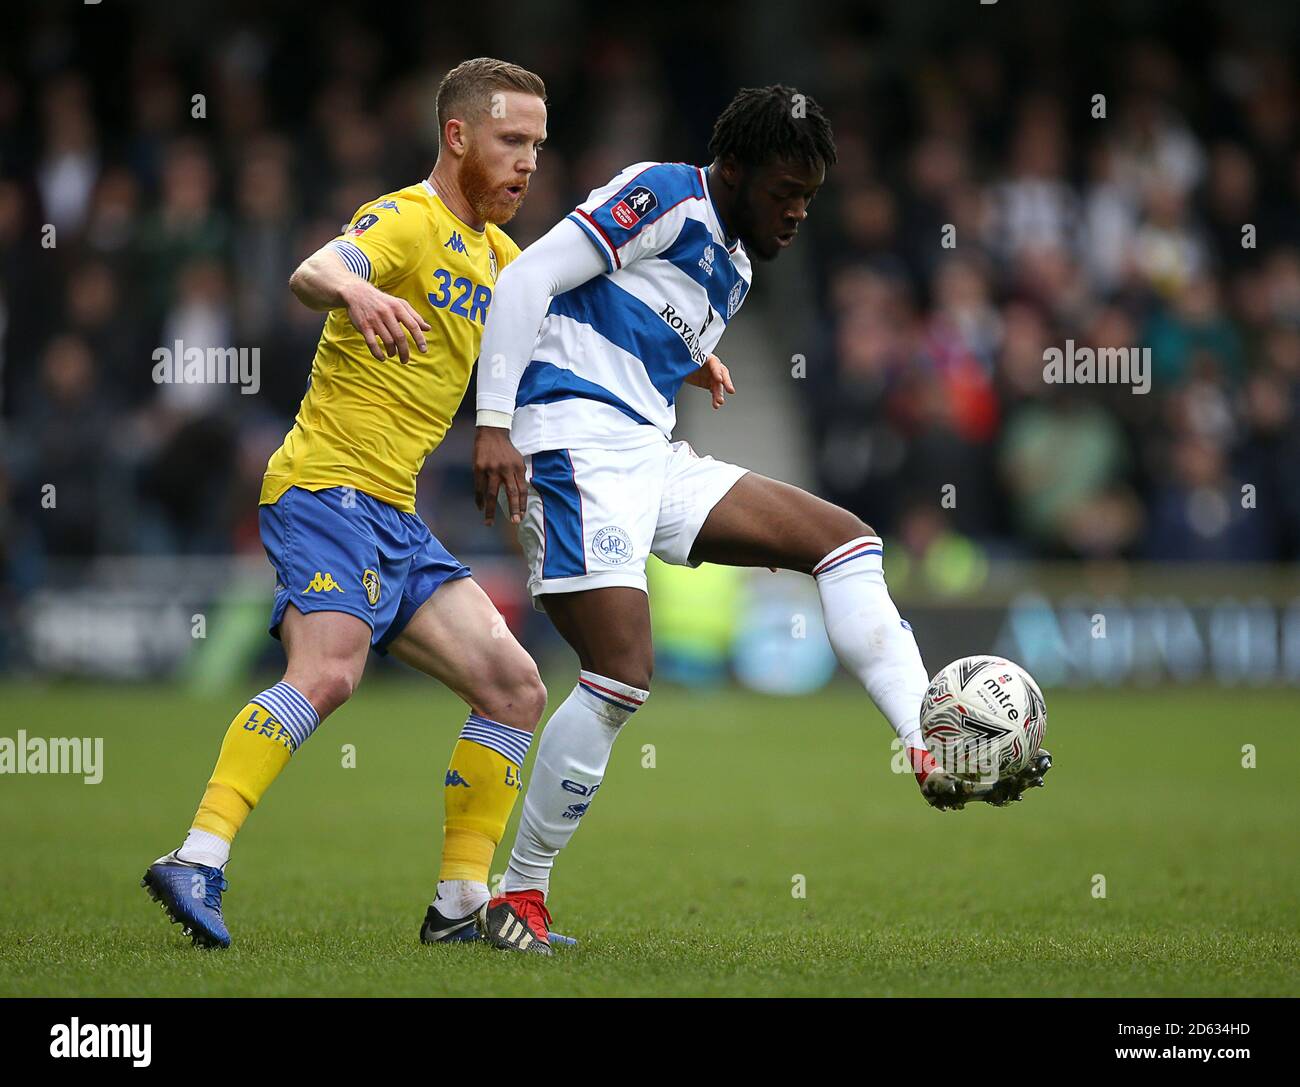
<point x="483" y="780"/>
<point x="257" y="746"/>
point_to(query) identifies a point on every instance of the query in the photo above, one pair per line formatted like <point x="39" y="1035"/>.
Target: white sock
<point x="571" y="758"/>
<point x="869" y="636"/>
<point x="457" y="898"/>
<point x="200" y="847"/>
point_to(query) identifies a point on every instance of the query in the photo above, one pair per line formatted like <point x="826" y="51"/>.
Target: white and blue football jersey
<point x="611" y="354"/>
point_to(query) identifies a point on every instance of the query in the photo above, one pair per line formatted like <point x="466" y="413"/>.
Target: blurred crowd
<point x="134" y="214"/>
<point x="1170" y="223"/>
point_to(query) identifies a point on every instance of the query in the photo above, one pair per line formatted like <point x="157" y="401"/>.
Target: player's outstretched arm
<point x="557" y="262"/>
<point x="324" y="282"/>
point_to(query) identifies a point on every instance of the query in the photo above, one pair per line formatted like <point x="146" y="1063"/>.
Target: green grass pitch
<point x="680" y="880"/>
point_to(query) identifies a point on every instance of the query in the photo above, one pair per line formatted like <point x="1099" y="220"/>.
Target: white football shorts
<point x="594" y="516"/>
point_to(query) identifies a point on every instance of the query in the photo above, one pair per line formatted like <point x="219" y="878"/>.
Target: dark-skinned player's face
<point x="771" y="202"/>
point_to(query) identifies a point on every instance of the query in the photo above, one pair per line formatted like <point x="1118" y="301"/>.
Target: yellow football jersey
<point x="370" y="424"/>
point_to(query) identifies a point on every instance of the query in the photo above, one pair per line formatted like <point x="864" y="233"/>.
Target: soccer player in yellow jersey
<point x="407" y="286"/>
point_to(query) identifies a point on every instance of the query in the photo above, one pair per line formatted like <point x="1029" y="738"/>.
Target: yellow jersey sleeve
<point x="386" y="240"/>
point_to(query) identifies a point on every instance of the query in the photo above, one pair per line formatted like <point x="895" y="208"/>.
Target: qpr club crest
<point x="612" y="546"/>
<point x="733" y="299"/>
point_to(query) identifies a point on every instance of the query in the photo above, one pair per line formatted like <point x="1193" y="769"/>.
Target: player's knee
<point x="832" y="531"/>
<point x="519" y="701"/>
<point x="634" y="669"/>
<point x="514" y="694"/>
<point x="532" y="696"/>
<point x="329" y="687"/>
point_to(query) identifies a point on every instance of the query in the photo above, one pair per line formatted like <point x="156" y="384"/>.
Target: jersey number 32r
<point x="471" y="300"/>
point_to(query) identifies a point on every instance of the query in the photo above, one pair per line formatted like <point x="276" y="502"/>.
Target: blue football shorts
<point x="340" y="550"/>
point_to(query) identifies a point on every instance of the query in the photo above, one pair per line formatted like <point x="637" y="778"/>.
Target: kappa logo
<point x="612" y="545"/>
<point x="370" y="582"/>
<point x="388" y="205"/>
<point x="454" y="778"/>
<point x="634" y="207"/>
<point x="323" y="583"/>
<point x="455" y="243"/>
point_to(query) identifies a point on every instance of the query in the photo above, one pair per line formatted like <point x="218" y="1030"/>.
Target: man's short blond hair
<point x="467" y="90"/>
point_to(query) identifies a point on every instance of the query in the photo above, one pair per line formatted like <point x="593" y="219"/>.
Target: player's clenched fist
<point x="384" y="320"/>
<point x="497" y="464"/>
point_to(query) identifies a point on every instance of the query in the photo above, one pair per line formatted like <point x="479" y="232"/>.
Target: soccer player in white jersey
<point x="593" y="330"/>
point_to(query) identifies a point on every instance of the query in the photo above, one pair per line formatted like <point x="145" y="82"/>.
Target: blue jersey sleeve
<point x="633" y="215"/>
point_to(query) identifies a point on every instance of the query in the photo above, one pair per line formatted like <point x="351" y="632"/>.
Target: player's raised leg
<point x="327" y="654"/>
<point x="609" y="629"/>
<point x="458" y="637"/>
<point x="764" y="522"/>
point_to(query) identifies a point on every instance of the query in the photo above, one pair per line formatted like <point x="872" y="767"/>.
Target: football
<point x="983" y="718"/>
